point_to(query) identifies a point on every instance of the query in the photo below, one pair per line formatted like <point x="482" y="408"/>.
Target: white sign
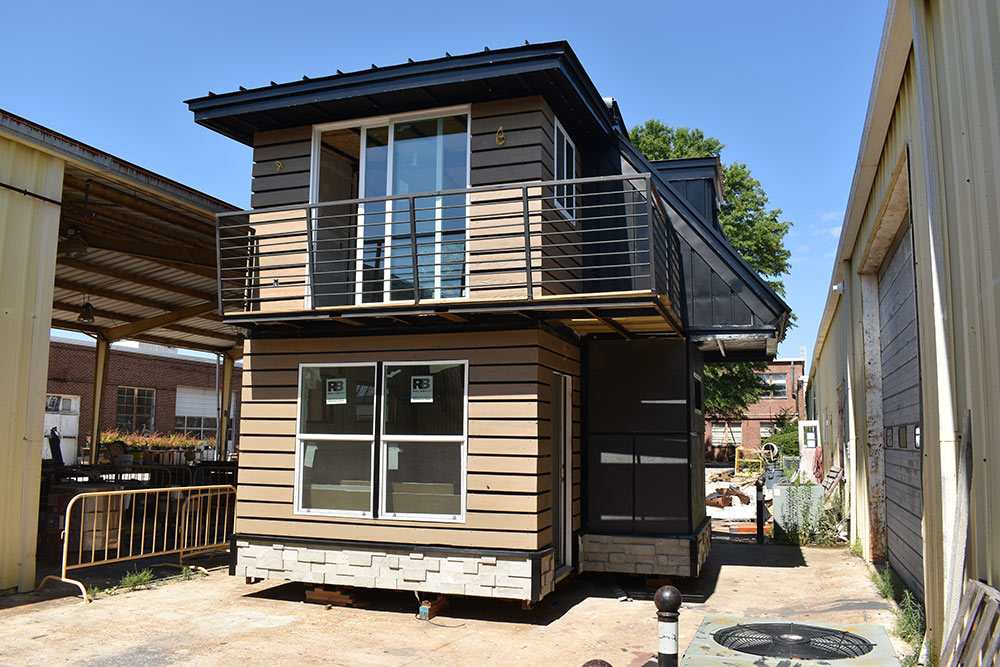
<point x="422" y="389"/>
<point x="336" y="391"/>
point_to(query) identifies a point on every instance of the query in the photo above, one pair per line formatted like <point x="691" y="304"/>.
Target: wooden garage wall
<point x="509" y="470"/>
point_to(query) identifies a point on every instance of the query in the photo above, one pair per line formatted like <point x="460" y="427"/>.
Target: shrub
<point x="136" y="579"/>
<point x="787" y="439"/>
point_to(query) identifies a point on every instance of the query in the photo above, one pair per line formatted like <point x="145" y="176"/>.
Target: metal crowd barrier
<point x="114" y="526"/>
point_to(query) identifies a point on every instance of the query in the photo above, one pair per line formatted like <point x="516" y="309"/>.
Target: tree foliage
<point x="754" y="230"/>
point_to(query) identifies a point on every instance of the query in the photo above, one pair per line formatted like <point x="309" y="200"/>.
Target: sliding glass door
<point x="418" y="156"/>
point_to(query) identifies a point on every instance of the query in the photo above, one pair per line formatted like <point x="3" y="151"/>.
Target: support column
<point x="874" y="424"/>
<point x="225" y="405"/>
<point x="100" y="377"/>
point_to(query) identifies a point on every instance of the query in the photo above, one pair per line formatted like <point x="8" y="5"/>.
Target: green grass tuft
<point x="136" y="580"/>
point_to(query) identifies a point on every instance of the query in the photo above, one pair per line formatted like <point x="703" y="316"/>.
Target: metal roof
<point x="148" y="248"/>
<point x="550" y="69"/>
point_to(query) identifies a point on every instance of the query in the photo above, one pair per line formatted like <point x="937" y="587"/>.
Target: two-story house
<point x="476" y="321"/>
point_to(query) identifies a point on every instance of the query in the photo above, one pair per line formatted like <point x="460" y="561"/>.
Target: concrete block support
<point x="680" y="556"/>
<point x="518" y="578"/>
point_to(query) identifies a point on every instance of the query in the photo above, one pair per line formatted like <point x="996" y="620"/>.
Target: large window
<point x="727" y="433"/>
<point x="777" y="385"/>
<point x="381" y="158"/>
<point x="411" y="467"/>
<point x="134" y="410"/>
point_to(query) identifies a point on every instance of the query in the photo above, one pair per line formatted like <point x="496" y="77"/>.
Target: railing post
<point x="413" y="253"/>
<point x="527" y="244"/>
<point x="310" y="259"/>
<point x="651" y="234"/>
<point x="668" y="602"/>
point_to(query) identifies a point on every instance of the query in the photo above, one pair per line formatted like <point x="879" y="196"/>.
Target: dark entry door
<point x="901" y="411"/>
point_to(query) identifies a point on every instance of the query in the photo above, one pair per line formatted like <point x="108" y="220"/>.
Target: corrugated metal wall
<point x="29" y="232"/>
<point x="958" y="310"/>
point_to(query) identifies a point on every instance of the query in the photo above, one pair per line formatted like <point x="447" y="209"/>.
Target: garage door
<point x="901" y="411"/>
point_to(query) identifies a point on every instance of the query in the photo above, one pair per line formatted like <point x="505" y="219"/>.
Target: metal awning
<point x="137" y="247"/>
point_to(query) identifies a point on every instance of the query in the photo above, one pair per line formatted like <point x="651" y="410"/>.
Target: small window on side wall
<point x="565" y="169"/>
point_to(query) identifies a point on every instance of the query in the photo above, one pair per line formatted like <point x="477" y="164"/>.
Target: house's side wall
<point x="29" y="234"/>
<point x="509" y="472"/>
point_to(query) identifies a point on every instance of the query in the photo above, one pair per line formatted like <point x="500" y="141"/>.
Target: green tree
<point x="754" y="230"/>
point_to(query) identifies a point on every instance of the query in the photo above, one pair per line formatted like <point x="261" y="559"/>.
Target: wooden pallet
<point x="974" y="639"/>
<point x="338" y="597"/>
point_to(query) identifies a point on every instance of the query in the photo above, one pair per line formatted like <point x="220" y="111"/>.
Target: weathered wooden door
<point x="901" y="410"/>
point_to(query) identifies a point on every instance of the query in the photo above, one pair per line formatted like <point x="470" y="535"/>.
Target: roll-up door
<point x="901" y="411"/>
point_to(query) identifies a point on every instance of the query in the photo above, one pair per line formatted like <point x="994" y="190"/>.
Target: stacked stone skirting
<point x="680" y="556"/>
<point x="517" y="577"/>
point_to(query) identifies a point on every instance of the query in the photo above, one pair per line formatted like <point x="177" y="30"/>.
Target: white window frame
<point x="300" y="449"/>
<point x="363" y="124"/>
<point x="378" y="440"/>
<point x="560" y="202"/>
<point x="463" y="439"/>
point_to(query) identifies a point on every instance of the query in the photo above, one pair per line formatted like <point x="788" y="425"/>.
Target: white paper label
<point x="310" y="455"/>
<point x="336" y="391"/>
<point x="393" y="462"/>
<point x="422" y="389"/>
<point x="667" y="644"/>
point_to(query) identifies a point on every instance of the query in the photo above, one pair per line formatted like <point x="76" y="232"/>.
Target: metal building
<point x="906" y="372"/>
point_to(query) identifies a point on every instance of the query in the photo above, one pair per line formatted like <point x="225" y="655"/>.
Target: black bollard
<point x="760" y="509"/>
<point x="668" y="603"/>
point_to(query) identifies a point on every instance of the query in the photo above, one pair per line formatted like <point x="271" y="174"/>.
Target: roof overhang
<point x="137" y="247"/>
<point x="550" y="69"/>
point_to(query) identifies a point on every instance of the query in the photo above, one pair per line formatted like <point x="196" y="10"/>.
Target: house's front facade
<point x="476" y="320"/>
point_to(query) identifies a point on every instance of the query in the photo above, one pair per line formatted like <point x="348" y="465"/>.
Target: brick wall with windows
<point x="785" y="394"/>
<point x="71" y="372"/>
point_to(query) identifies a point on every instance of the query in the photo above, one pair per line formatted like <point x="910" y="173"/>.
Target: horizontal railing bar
<point x="457" y="191"/>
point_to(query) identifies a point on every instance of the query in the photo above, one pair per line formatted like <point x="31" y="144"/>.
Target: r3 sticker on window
<point x="336" y="391"/>
<point x="422" y="389"/>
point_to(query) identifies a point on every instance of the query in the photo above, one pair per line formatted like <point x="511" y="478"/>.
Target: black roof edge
<point x="716" y="238"/>
<point x="479" y="65"/>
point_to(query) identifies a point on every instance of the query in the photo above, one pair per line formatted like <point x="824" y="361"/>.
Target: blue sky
<point x="783" y="84"/>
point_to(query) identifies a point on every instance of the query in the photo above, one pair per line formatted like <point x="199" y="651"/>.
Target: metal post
<point x="310" y="260"/>
<point x="760" y="509"/>
<point x="101" y="352"/>
<point x="651" y="235"/>
<point x="413" y="253"/>
<point x="527" y="244"/>
<point x="668" y="603"/>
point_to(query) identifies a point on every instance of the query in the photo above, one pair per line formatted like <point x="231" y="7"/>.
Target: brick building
<point x="785" y="395"/>
<point x="149" y="388"/>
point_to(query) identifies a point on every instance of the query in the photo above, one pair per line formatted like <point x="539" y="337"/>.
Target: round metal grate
<point x="793" y="640"/>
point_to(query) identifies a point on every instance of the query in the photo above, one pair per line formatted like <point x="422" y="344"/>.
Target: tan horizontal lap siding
<point x="509" y="465"/>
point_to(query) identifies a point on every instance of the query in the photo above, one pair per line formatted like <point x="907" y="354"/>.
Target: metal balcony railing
<point x="499" y="244"/>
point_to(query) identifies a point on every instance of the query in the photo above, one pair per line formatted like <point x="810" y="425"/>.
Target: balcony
<point x="596" y="254"/>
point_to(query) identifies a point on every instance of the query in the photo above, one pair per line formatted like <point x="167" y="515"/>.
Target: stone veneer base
<point x="680" y="556"/>
<point x="516" y="577"/>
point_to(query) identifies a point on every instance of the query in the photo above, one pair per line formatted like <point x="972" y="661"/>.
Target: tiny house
<point x="476" y="319"/>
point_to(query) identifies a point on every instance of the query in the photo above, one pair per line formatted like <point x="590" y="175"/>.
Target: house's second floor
<point x="498" y="183"/>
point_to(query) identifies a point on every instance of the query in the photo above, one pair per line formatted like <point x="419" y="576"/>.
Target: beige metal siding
<point x="29" y="232"/>
<point x="509" y="470"/>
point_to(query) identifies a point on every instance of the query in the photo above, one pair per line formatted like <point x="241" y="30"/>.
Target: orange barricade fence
<point x="115" y="526"/>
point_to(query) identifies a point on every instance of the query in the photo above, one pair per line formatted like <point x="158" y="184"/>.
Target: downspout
<point x="934" y="224"/>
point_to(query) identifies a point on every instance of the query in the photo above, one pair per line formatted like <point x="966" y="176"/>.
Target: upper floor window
<point x="565" y="169"/>
<point x="365" y="251"/>
<point x="134" y="410"/>
<point x="777" y="385"/>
